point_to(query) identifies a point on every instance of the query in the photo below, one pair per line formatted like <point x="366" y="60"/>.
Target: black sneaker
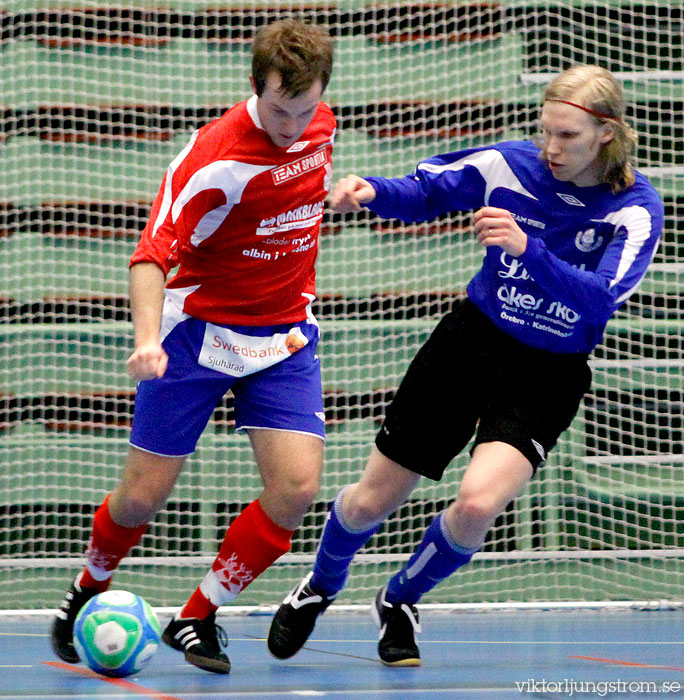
<point x="398" y="625"/>
<point x="199" y="639"/>
<point x="295" y="620"/>
<point x="62" y="633"/>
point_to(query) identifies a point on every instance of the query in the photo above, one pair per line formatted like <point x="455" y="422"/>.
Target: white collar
<point x="253" y="113"/>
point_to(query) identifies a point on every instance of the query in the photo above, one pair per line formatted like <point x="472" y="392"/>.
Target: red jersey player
<point x="238" y="215"/>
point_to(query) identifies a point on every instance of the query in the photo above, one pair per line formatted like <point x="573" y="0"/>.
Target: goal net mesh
<point x="96" y="100"/>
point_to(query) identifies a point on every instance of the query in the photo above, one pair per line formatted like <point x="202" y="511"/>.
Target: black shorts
<point x="471" y="375"/>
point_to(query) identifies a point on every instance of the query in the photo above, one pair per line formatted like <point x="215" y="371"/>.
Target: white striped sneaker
<point x="62" y="632"/>
<point x="398" y="626"/>
<point x="201" y="640"/>
<point x="295" y="619"/>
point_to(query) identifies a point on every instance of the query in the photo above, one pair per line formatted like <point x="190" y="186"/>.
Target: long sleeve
<point x="452" y="182"/>
<point x="598" y="293"/>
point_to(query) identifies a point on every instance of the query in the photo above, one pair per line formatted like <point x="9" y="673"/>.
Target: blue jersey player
<point x="569" y="229"/>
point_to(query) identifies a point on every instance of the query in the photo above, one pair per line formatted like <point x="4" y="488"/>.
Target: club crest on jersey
<point x="569" y="199"/>
<point x="586" y="241"/>
<point x="289" y="171"/>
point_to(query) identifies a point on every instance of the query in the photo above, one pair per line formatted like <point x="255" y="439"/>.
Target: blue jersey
<point x="587" y="248"/>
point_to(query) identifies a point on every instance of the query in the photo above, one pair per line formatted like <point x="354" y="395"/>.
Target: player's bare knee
<point x="297" y="493"/>
<point x="303" y="496"/>
<point x="363" y="509"/>
<point x="476" y="508"/>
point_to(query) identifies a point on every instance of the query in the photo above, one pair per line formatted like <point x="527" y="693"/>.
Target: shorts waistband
<point x="482" y="322"/>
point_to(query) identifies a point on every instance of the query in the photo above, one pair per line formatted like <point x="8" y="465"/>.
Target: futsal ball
<point x="116" y="633"/>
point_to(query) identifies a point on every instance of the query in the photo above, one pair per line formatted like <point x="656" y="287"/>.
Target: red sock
<point x="253" y="542"/>
<point x="108" y="545"/>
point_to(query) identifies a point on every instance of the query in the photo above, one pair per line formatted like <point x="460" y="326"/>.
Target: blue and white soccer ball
<point x="116" y="633"/>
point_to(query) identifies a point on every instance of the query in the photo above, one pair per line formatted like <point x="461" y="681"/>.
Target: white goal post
<point x="97" y="98"/>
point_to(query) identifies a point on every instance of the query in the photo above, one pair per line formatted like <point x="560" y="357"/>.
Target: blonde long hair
<point x="597" y="90"/>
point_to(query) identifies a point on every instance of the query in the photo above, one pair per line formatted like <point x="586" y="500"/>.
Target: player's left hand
<point x="148" y="361"/>
<point x="498" y="227"/>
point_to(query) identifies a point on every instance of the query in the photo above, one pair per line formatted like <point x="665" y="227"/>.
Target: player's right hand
<point x="147" y="362"/>
<point x="350" y="193"/>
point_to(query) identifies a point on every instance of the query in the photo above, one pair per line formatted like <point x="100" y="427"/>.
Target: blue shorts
<point x="172" y="412"/>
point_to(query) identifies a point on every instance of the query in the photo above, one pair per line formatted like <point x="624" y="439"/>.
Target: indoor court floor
<point x="479" y="655"/>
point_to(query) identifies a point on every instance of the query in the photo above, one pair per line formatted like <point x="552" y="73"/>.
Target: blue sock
<point x="336" y="550"/>
<point x="436" y="558"/>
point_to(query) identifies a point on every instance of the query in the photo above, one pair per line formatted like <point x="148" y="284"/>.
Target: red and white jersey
<point x="240" y="218"/>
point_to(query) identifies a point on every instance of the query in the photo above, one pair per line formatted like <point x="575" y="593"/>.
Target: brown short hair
<point x="597" y="89"/>
<point x="299" y="52"/>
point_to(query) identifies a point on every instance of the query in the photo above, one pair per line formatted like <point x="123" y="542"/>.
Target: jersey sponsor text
<point x="299" y="167"/>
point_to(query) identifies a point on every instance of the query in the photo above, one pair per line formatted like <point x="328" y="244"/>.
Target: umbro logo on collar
<point x="299" y="146"/>
<point x="569" y="199"/>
